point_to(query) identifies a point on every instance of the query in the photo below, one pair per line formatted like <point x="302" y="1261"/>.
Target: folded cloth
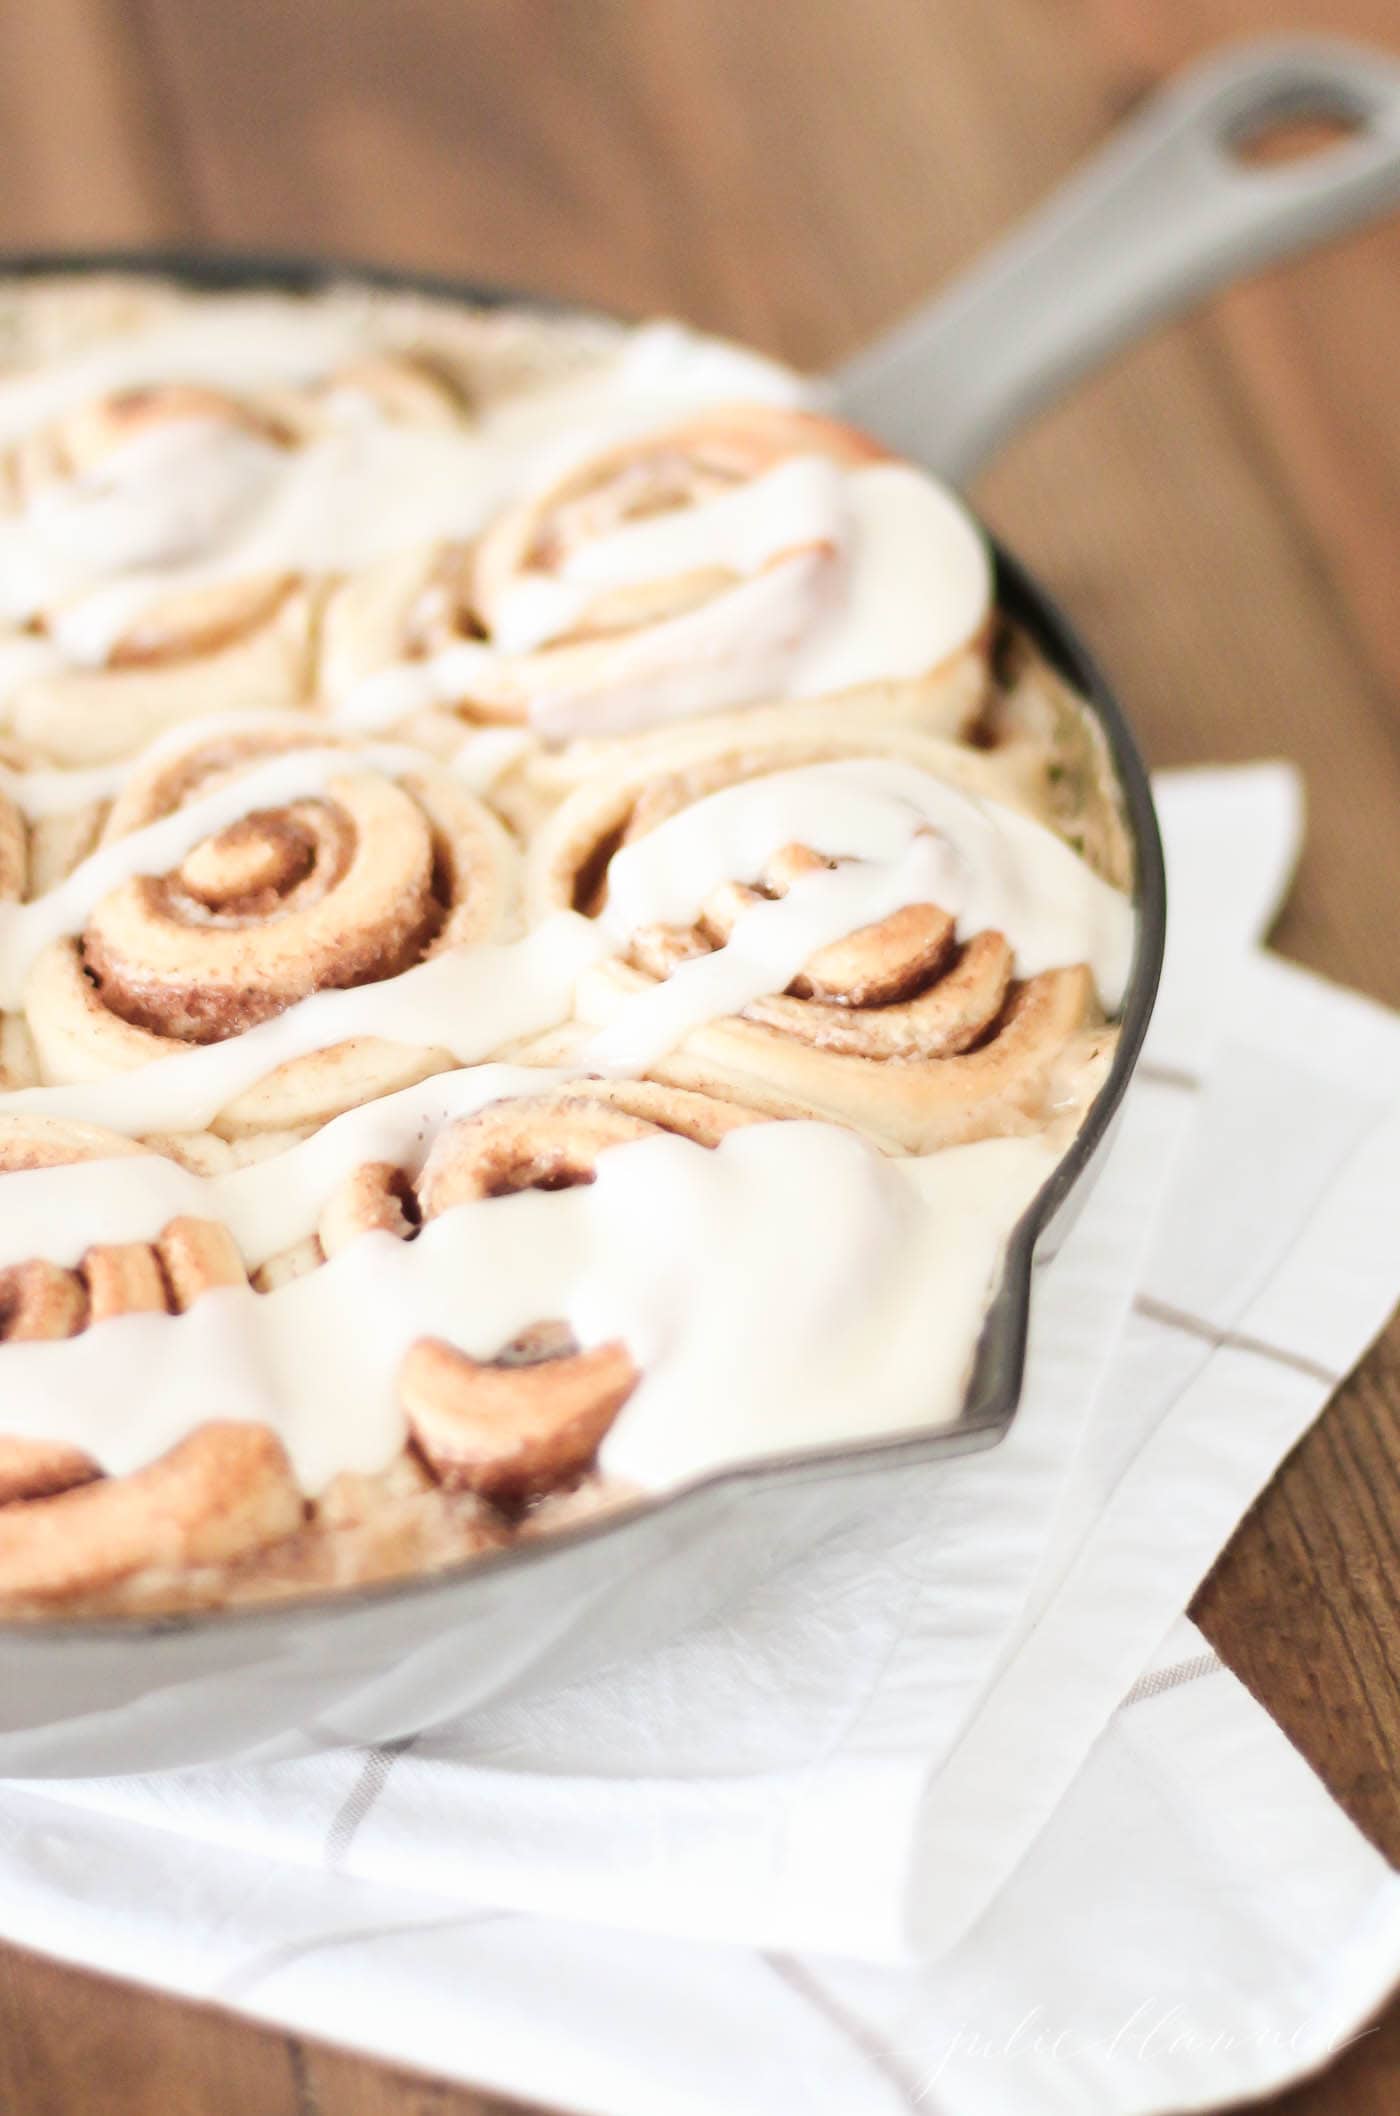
<point x="800" y="1859"/>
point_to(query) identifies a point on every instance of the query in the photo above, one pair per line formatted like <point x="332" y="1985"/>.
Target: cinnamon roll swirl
<point x="712" y="563"/>
<point x="918" y="1029"/>
<point x="369" y="872"/>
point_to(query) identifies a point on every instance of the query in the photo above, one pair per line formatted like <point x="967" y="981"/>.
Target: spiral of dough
<point x="375" y="873"/>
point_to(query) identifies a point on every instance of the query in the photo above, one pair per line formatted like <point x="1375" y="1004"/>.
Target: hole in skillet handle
<point x="1295" y="137"/>
<point x="1298" y="125"/>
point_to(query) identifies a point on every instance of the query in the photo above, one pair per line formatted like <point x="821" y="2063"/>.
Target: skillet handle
<point x="1166" y="212"/>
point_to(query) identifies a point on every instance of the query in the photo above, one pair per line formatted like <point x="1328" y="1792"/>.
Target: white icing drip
<point x="768" y="945"/>
<point x="363" y="490"/>
<point x="891" y="576"/>
<point x="257" y="341"/>
<point x="60" y="1212"/>
<point x="355" y="495"/>
<point x="44" y="790"/>
<point x="467" y="1001"/>
<point x="299" y="774"/>
<point x="887" y="576"/>
<point x="867" y="1329"/>
<point x="918" y="585"/>
<point x="867" y="1324"/>
<point x="726" y="653"/>
<point x="801" y="501"/>
<point x="272" y="1204"/>
<point x="160" y="499"/>
<point x="49" y="791"/>
<point x="910" y="838"/>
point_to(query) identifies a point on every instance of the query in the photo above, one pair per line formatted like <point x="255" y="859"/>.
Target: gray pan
<point x="1166" y="212"/>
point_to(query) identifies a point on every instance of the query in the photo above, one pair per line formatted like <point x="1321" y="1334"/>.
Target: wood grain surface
<point x="1221" y="513"/>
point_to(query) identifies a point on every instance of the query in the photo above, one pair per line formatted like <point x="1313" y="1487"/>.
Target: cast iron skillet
<point x="378" y="1662"/>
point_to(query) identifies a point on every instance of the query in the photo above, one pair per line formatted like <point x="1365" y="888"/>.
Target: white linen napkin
<point x="948" y="1816"/>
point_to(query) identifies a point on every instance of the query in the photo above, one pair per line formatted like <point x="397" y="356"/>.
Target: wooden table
<point x="1221" y="513"/>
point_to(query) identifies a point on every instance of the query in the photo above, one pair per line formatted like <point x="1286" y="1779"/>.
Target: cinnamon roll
<point x="464" y="778"/>
<point x="920" y="1028"/>
<point x="65" y="1529"/>
<point x="128" y="480"/>
<point x="366" y="872"/>
<point x="217" y="1517"/>
<point x="529" y="1420"/>
<point x="713" y="563"/>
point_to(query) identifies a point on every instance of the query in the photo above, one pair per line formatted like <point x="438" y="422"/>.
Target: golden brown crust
<point x="225" y="1490"/>
<point x="514" y="1429"/>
